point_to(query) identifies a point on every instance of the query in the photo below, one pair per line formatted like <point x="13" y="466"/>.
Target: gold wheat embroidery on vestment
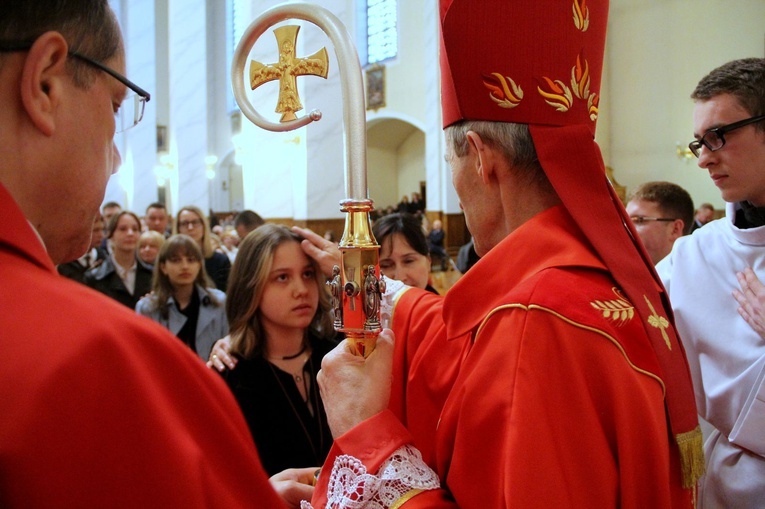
<point x="619" y="310"/>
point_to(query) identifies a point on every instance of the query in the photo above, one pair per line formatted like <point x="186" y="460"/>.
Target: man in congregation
<point x="93" y="257"/>
<point x="705" y="214"/>
<point x="570" y="387"/>
<point x="726" y="356"/>
<point x="157" y="218"/>
<point x="662" y="212"/>
<point x="87" y="418"/>
<point x="246" y="221"/>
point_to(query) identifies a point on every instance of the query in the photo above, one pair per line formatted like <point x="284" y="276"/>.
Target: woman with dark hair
<point x="122" y="276"/>
<point x="191" y="221"/>
<point x="280" y="329"/>
<point x="403" y="250"/>
<point x="182" y="300"/>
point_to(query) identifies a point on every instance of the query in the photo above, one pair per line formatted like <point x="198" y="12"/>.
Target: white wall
<point x="657" y="52"/>
<point x="383" y="184"/>
<point x="410" y="159"/>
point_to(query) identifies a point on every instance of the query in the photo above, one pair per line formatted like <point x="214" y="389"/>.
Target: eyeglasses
<point x="130" y="112"/>
<point x="639" y="220"/>
<point x="714" y="139"/>
<point x="192" y="223"/>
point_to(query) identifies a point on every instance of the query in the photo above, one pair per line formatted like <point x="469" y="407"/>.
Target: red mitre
<point x="535" y="62"/>
<point x="539" y="63"/>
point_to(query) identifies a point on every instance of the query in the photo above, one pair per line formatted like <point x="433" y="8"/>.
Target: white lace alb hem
<point x="393" y="290"/>
<point x="351" y="487"/>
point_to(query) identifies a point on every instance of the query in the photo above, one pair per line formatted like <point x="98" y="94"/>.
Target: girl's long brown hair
<point x="246" y="283"/>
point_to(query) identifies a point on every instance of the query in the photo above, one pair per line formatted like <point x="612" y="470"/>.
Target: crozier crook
<point x="357" y="291"/>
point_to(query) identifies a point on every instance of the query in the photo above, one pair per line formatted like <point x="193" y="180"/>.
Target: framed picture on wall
<point x="375" y="87"/>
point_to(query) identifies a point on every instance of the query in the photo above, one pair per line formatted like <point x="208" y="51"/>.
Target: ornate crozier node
<point x="357" y="309"/>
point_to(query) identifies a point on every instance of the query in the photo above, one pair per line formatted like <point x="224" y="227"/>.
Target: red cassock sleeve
<point x="425" y="366"/>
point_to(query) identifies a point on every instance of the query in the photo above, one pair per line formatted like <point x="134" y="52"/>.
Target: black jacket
<point x="105" y="279"/>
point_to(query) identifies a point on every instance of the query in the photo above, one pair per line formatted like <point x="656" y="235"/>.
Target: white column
<point x="325" y="141"/>
<point x="186" y="69"/>
<point x="140" y="145"/>
<point x="441" y="194"/>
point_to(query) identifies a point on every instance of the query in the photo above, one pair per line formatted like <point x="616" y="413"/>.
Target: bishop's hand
<point x="326" y="253"/>
<point x="354" y="388"/>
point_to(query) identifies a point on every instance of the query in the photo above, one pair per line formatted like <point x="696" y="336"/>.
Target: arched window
<point x="379" y="24"/>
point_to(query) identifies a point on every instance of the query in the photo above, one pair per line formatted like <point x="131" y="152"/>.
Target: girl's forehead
<point x="290" y="251"/>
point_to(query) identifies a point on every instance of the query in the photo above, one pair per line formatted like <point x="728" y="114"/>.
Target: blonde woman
<point x="191" y="221"/>
<point x="149" y="244"/>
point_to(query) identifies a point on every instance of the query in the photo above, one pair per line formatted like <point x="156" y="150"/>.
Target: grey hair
<point x="513" y="140"/>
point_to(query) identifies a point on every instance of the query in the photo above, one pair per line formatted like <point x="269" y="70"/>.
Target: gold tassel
<point x="692" y="463"/>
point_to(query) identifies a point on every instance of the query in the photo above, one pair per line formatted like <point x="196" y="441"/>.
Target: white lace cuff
<point x="402" y="475"/>
<point x="393" y="290"/>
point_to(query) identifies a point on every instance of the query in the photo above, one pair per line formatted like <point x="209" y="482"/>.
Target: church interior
<point x="194" y="146"/>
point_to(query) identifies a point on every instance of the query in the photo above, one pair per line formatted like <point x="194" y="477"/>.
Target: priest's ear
<point x="42" y="80"/>
<point x="486" y="156"/>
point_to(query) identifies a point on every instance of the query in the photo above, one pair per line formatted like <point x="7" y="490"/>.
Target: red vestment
<point x="548" y="396"/>
<point x="102" y="408"/>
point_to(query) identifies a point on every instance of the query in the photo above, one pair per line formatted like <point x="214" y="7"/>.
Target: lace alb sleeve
<point x="393" y="290"/>
<point x="402" y="476"/>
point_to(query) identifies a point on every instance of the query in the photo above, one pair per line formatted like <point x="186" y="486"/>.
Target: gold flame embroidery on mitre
<point x="503" y="90"/>
<point x="618" y="310"/>
<point x="580" y="78"/>
<point x="559" y="96"/>
<point x="580" y="82"/>
<point x="592" y="106"/>
<point x="581" y="15"/>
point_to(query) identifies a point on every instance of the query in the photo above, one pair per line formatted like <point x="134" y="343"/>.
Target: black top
<point x="284" y="431"/>
<point x="217" y="267"/>
<point x="105" y="279"/>
<point x="75" y="270"/>
<point x="188" y="333"/>
<point x="749" y="216"/>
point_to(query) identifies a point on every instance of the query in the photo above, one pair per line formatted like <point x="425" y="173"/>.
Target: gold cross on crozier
<point x="287" y="70"/>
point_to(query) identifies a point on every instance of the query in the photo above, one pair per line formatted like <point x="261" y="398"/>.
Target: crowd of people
<point x="469" y="399"/>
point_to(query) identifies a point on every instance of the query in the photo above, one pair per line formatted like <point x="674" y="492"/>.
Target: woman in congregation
<point x="149" y="244"/>
<point x="230" y="244"/>
<point x="404" y="252"/>
<point x="182" y="298"/>
<point x="122" y="276"/>
<point x="191" y="221"/>
<point x="280" y="329"/>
